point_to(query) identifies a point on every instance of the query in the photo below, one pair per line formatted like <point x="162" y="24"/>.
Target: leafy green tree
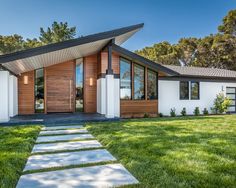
<point x="11" y="43"/>
<point x="57" y="33"/>
<point x="229" y="23"/>
<point x="32" y="43"/>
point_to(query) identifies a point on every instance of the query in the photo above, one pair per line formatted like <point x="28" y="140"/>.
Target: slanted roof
<point x="31" y="59"/>
<point x="202" y="72"/>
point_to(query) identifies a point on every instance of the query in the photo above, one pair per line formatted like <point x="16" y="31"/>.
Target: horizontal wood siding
<point x="90" y="91"/>
<point x="103" y="63"/>
<point x="60" y="87"/>
<point x="138" y="108"/>
<point x="26" y="94"/>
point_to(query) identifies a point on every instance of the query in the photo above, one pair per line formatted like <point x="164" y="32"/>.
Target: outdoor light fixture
<point x="26" y="80"/>
<point x="90" y="81"/>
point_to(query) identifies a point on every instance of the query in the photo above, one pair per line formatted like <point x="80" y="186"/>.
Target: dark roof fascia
<point x="67" y="44"/>
<point x="198" y="78"/>
<point x="135" y="57"/>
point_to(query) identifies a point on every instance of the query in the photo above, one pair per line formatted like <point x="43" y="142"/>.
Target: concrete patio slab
<point x="111" y="175"/>
<point x="63" y="138"/>
<point x="62" y="127"/>
<point x="51" y="147"/>
<point x="69" y="131"/>
<point x="36" y="162"/>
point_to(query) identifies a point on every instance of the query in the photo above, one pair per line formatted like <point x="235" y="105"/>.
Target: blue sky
<point x="165" y="20"/>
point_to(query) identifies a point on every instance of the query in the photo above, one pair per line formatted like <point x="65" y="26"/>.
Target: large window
<point x="194" y="90"/>
<point x="139" y="82"/>
<point x="39" y="91"/>
<point x="184" y="90"/>
<point x="79" y="85"/>
<point x="151" y="85"/>
<point x="125" y="79"/>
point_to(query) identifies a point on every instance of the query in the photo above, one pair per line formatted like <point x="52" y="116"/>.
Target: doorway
<point x="79" y="95"/>
<point x="231" y="94"/>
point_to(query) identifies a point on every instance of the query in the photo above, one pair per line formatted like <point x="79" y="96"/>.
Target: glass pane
<point x="230" y="90"/>
<point x="139" y="82"/>
<point x="231" y="109"/>
<point x="125" y="79"/>
<point x="194" y="90"/>
<point x="184" y="90"/>
<point x="79" y="86"/>
<point x="39" y="91"/>
<point x="152" y="85"/>
<point x="231" y="96"/>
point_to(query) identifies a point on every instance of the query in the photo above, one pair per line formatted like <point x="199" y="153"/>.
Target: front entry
<point x="60" y="87"/>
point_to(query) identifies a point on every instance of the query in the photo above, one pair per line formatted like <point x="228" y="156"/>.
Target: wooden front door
<point x="60" y="87"/>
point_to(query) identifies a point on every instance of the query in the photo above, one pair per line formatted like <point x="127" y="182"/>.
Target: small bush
<point x="196" y="111"/>
<point x="160" y="115"/>
<point x="183" y="112"/>
<point x="205" y="111"/>
<point x="146" y="115"/>
<point x="172" y="112"/>
<point x="221" y="104"/>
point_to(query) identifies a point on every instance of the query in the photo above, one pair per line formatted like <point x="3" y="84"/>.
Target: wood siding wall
<point x="60" y="87"/>
<point x="137" y="108"/>
<point x="90" y="91"/>
<point x="26" y="94"/>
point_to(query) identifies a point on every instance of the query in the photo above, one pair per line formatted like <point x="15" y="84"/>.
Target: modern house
<point x="94" y="74"/>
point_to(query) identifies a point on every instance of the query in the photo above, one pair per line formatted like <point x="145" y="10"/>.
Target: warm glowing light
<point x="91" y="81"/>
<point x="26" y="80"/>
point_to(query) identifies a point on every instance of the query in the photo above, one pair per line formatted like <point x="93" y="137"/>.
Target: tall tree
<point x="57" y="33"/>
<point x="11" y="43"/>
<point x="229" y="23"/>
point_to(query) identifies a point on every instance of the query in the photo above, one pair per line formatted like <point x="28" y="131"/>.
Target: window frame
<point x="131" y="80"/>
<point x="198" y="98"/>
<point x="144" y="80"/>
<point x="44" y="102"/>
<point x="180" y="91"/>
<point x="156" y="73"/>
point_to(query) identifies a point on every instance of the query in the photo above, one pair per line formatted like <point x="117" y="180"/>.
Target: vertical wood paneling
<point x="90" y="91"/>
<point x="60" y="86"/>
<point x="26" y="94"/>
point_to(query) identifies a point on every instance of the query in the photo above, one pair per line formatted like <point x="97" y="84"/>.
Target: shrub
<point x="221" y="103"/>
<point x="146" y="115"/>
<point x="160" y="115"/>
<point x="172" y="112"/>
<point x="183" y="112"/>
<point x="196" y="111"/>
<point x="205" y="111"/>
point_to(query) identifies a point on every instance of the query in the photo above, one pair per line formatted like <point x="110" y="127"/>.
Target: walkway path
<point x="69" y="157"/>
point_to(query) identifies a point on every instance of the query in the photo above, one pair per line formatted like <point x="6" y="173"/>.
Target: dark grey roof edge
<point x="66" y="44"/>
<point x="143" y="60"/>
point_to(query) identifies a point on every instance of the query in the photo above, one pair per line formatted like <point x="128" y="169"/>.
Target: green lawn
<point x="174" y="152"/>
<point x="15" y="146"/>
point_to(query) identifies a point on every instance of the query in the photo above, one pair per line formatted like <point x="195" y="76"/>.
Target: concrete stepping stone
<point x="63" y="127"/>
<point x="36" y="162"/>
<point x="63" y="137"/>
<point x="69" y="131"/>
<point x="51" y="147"/>
<point x="111" y="175"/>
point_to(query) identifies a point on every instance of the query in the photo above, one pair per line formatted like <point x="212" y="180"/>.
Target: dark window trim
<point x="156" y="82"/>
<point x="198" y="90"/>
<point x="83" y="76"/>
<point x="134" y="63"/>
<point x="180" y="90"/>
<point x="35" y="111"/>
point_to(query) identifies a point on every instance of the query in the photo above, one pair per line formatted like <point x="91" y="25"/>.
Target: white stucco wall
<point x="108" y="96"/>
<point x="13" y="96"/>
<point x="4" y="96"/>
<point x="168" y="96"/>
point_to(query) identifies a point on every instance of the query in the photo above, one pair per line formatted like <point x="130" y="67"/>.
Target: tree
<point x="57" y="33"/>
<point x="32" y="43"/>
<point x="229" y="24"/>
<point x="11" y="43"/>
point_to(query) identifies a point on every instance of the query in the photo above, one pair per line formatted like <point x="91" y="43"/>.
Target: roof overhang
<point x="35" y="58"/>
<point x="139" y="59"/>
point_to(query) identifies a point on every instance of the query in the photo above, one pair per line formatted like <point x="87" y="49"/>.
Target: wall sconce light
<point x="90" y="81"/>
<point x="26" y="80"/>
